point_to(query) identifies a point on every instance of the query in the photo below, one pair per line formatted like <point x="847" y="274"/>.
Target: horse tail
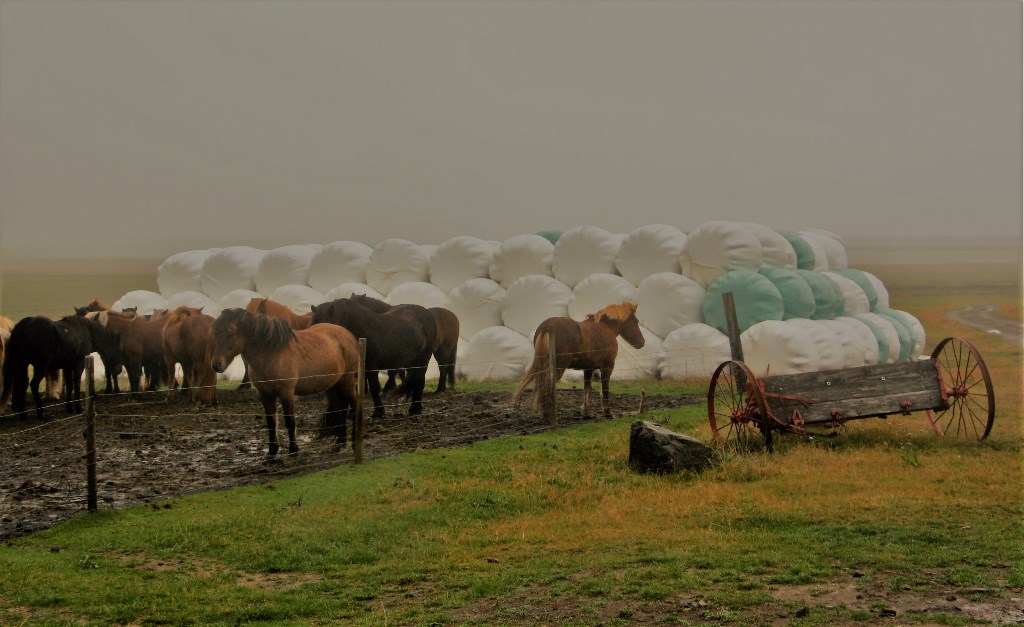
<point x="537" y="369"/>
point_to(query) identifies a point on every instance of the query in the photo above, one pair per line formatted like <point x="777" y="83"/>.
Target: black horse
<point x="109" y="349"/>
<point x="445" y="347"/>
<point x="49" y="346"/>
<point x="400" y="339"/>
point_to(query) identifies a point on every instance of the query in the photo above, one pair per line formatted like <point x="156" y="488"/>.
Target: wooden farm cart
<point x="952" y="386"/>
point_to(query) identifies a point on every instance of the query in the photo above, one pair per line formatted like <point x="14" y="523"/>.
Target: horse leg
<point x="442" y="373"/>
<point x="270" y="411"/>
<point x="606" y="375"/>
<point x="38" y="374"/>
<point x="76" y="386"/>
<point x="337" y="414"/>
<point x="173" y="381"/>
<point x="288" y="409"/>
<point x="391" y="383"/>
<point x="374" y="384"/>
<point x="587" y="376"/>
<point x="417" y="377"/>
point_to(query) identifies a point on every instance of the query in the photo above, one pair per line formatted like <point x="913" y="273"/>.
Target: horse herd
<point x="288" y="355"/>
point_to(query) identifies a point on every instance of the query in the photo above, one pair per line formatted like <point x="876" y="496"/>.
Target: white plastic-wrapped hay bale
<point x="867" y="342"/>
<point x="497" y="354"/>
<point x="418" y="293"/>
<point x="693" y="350"/>
<point x="582" y="251"/>
<point x="143" y="302"/>
<point x="776" y="251"/>
<point x="194" y="299"/>
<point x="459" y="259"/>
<point x="855" y="301"/>
<point x="287" y="265"/>
<point x="429" y="250"/>
<point x="461" y="350"/>
<point x="881" y="292"/>
<point x="832" y="244"/>
<point x="717" y="247"/>
<point x="533" y="299"/>
<point x="632" y="364"/>
<point x="348" y="289"/>
<point x="237" y="299"/>
<point x="235" y="371"/>
<point x="228" y="269"/>
<point x="477" y="305"/>
<point x="338" y="262"/>
<point x="863" y="282"/>
<point x="182" y="272"/>
<point x="597" y="291"/>
<point x="850" y="341"/>
<point x="775" y="347"/>
<point x="756" y="299"/>
<point x="889" y="347"/>
<point x="299" y="298"/>
<point x="396" y="261"/>
<point x="667" y="301"/>
<point x="519" y="256"/>
<point x="649" y="250"/>
<point x="831" y="353"/>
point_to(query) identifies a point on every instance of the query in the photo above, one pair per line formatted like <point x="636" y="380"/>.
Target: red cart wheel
<point x="967" y="389"/>
<point x="737" y="411"/>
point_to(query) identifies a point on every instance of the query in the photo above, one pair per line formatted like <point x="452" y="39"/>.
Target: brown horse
<point x="588" y="346"/>
<point x="141" y="345"/>
<point x="275" y="309"/>
<point x="446" y="342"/>
<point x="284" y="363"/>
<point x="186" y="340"/>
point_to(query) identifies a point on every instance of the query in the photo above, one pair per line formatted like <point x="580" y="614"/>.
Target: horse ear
<point x="312" y="308"/>
<point x="81" y="311"/>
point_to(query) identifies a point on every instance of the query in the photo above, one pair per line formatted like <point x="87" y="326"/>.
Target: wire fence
<point x="152" y="446"/>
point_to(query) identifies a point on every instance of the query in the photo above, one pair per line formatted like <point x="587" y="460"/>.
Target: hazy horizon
<point x="145" y="129"/>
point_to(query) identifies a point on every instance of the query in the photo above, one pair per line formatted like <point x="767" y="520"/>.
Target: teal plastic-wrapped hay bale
<point x="828" y="299"/>
<point x="797" y="297"/>
<point x="908" y="343"/>
<point x="808" y="256"/>
<point x="756" y="299"/>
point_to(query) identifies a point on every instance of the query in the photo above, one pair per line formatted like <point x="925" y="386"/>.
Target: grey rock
<point x="655" y="449"/>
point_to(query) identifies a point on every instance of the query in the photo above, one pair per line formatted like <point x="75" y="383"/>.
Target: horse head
<point x="228" y="337"/>
<point x="622" y="318"/>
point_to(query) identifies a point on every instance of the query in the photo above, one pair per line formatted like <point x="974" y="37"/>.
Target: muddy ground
<point x="154" y="449"/>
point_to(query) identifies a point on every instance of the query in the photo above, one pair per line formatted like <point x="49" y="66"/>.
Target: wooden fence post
<point x="735" y="345"/>
<point x="357" y="422"/>
<point x="90" y="436"/>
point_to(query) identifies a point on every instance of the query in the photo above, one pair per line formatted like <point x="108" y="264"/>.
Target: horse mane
<point x="620" y="312"/>
<point x="271" y="333"/>
<point x="373" y="304"/>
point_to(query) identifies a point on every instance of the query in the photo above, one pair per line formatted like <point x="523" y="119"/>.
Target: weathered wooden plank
<point x="856" y="392"/>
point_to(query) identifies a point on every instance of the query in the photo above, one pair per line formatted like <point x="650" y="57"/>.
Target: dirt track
<point x="155" y="449"/>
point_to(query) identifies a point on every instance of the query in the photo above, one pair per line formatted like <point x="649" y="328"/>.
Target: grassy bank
<point x="883" y="518"/>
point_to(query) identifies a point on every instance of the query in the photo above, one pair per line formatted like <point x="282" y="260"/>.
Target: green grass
<point x="555" y="528"/>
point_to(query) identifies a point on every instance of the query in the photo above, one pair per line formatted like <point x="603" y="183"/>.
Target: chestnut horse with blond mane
<point x="588" y="346"/>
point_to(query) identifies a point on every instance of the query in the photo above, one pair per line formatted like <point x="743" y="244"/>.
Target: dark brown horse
<point x="186" y="339"/>
<point x="110" y="352"/>
<point x="446" y="340"/>
<point x="588" y="346"/>
<point x="48" y="346"/>
<point x="141" y="343"/>
<point x="400" y="339"/>
<point x="284" y="363"/>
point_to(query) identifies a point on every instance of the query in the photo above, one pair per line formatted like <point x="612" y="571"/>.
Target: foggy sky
<point x="147" y="128"/>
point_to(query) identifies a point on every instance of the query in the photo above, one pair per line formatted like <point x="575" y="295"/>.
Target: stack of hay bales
<point x="800" y="307"/>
